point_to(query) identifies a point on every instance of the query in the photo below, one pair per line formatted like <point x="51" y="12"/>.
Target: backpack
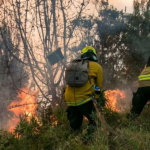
<point x="77" y="73"/>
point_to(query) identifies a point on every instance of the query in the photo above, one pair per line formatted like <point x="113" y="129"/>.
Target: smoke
<point x="125" y="104"/>
<point x="13" y="74"/>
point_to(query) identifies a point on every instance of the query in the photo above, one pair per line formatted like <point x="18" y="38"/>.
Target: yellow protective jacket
<point x="144" y="78"/>
<point x="81" y="95"/>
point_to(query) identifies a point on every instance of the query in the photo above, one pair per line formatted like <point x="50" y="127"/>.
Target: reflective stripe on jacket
<point x="144" y="77"/>
<point x="79" y="103"/>
<point x="81" y="95"/>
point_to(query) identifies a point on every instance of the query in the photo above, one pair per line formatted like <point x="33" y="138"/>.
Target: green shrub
<point x="30" y="135"/>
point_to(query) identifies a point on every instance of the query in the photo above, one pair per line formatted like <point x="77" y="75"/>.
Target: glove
<point x="97" y="90"/>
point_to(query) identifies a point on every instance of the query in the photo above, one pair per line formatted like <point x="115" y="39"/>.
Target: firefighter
<point x="80" y="104"/>
<point x="141" y="97"/>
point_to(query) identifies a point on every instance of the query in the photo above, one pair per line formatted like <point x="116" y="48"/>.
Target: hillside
<point x="56" y="135"/>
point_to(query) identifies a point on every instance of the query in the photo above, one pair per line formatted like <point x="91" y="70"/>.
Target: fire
<point x="26" y="105"/>
<point x="85" y="118"/>
<point x="113" y="97"/>
<point x="54" y="120"/>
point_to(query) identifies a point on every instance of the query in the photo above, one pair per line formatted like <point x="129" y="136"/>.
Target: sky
<point x="120" y="4"/>
<point x="117" y="3"/>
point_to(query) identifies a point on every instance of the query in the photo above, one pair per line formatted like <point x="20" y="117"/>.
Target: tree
<point x="44" y="26"/>
<point x="121" y="52"/>
<point x="108" y="26"/>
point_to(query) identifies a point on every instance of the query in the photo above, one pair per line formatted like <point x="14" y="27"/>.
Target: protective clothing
<point x="79" y="99"/>
<point x="75" y="115"/>
<point x="81" y="95"/>
<point x="144" y="78"/>
<point x="89" y="53"/>
<point x="141" y="97"/>
<point x="88" y="49"/>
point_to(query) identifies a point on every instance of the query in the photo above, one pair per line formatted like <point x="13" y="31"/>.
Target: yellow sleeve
<point x="99" y="79"/>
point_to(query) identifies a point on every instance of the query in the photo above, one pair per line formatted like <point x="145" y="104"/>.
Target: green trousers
<point x="140" y="98"/>
<point x="75" y="115"/>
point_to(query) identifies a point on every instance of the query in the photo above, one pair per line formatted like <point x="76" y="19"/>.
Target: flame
<point x="54" y="120"/>
<point x="85" y="118"/>
<point x="26" y="105"/>
<point x="113" y="97"/>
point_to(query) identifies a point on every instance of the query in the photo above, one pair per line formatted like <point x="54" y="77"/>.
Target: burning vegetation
<point x="57" y="133"/>
<point x="26" y="105"/>
<point x="119" y="37"/>
<point x="114" y="97"/>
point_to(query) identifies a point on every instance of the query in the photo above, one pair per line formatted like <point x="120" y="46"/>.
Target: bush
<point x="133" y="135"/>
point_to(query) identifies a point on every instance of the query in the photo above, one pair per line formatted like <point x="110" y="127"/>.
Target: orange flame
<point x="113" y="97"/>
<point x="26" y="105"/>
<point x="85" y="118"/>
<point x="54" y="120"/>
